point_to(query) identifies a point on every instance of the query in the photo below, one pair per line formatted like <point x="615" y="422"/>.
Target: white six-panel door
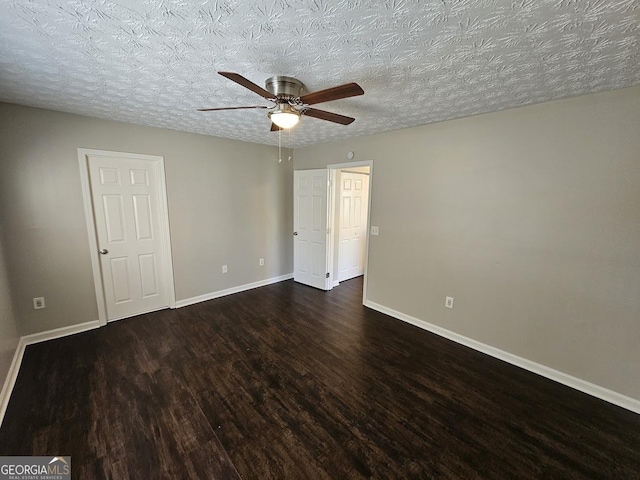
<point x="354" y="190"/>
<point x="310" y="228"/>
<point x="126" y="196"/>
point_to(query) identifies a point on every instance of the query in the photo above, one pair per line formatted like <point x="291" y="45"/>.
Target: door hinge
<point x="327" y="274"/>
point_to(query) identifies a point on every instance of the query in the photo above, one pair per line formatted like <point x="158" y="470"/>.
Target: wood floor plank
<point x="286" y="381"/>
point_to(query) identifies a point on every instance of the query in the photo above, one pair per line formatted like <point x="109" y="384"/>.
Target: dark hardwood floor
<point x="286" y="381"/>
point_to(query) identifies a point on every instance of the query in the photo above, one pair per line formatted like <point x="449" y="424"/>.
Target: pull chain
<point x="280" y="146"/>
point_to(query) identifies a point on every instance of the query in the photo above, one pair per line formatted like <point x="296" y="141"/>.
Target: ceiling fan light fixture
<point x="285" y="116"/>
<point x="284" y="119"/>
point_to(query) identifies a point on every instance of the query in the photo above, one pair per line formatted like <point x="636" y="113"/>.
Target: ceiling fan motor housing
<point x="284" y="86"/>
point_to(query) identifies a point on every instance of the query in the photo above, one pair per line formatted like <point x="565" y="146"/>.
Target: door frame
<point x="165" y="232"/>
<point x="333" y="168"/>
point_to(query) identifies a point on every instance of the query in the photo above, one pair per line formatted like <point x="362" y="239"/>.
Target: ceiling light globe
<point x="285" y="119"/>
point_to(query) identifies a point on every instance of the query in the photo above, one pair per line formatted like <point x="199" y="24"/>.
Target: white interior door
<point x="310" y="228"/>
<point x="126" y="198"/>
<point x="354" y="190"/>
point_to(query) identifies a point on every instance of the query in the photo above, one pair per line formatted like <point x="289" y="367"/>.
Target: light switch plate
<point x="375" y="231"/>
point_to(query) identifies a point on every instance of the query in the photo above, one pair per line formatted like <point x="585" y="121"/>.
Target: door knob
<point x="104" y="251"/>
<point x="295" y="233"/>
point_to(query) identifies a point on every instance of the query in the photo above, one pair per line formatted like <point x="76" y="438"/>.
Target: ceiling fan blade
<point x="331" y="117"/>
<point x="247" y="84"/>
<point x="229" y="108"/>
<point x="275" y="128"/>
<point x="335" y="93"/>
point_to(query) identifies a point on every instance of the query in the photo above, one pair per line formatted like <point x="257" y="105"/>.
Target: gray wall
<point x="230" y="202"/>
<point x="9" y="335"/>
<point x="529" y="217"/>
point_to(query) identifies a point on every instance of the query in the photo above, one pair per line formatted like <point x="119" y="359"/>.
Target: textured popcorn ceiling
<point x="153" y="62"/>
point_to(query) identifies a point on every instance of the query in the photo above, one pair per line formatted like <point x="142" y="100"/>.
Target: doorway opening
<point x="349" y="213"/>
<point x="331" y="221"/>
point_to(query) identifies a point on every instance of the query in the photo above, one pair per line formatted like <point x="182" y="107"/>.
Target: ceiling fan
<point x="289" y="105"/>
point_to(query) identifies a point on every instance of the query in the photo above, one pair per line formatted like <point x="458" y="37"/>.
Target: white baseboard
<point x="560" y="377"/>
<point x="60" y="332"/>
<point x="229" y="291"/>
<point x="336" y="283"/>
<point x="12" y="375"/>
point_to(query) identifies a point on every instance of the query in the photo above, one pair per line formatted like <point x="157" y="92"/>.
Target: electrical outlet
<point x="261" y="262"/>
<point x="448" y="302"/>
<point x="38" y="303"/>
<point x="375" y="231"/>
<point x="224" y="269"/>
